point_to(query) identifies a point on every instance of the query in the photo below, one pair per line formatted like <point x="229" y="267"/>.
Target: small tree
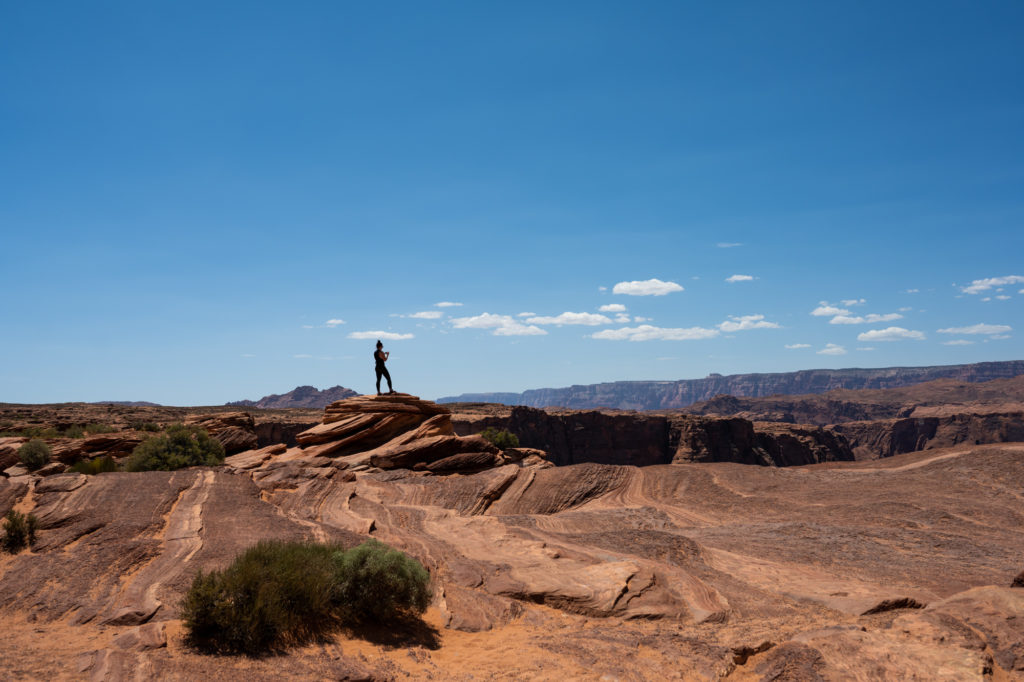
<point x="19" y="531"/>
<point x="91" y="467"/>
<point x="34" y="454"/>
<point x="503" y="439"/>
<point x="181" y="446"/>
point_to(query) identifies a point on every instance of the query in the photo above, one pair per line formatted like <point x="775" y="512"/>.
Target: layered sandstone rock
<point x="236" y="431"/>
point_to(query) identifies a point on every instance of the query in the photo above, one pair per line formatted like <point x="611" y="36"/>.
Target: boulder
<point x="9" y="451"/>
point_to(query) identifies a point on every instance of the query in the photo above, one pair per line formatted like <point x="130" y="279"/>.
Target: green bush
<point x="144" y="426"/>
<point x="38" y="432"/>
<point x="73" y="431"/>
<point x="181" y="446"/>
<point x="504" y="438"/>
<point x="99" y="428"/>
<point x="277" y="594"/>
<point x="380" y="584"/>
<point x="34" y="454"/>
<point x="274" y="594"/>
<point x="19" y="531"/>
<point x="91" y="467"/>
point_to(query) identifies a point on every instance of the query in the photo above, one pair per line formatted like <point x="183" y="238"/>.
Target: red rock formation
<point x="236" y="431"/>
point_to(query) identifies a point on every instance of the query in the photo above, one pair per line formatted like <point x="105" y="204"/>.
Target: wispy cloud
<point x="870" y="318"/>
<point x="390" y="336"/>
<point x="613" y="308"/>
<point x="739" y="278"/>
<point x="334" y="322"/>
<point x="638" y="318"/>
<point x="526" y="315"/>
<point x="978" y="329"/>
<point x="1003" y="297"/>
<point x="891" y="334"/>
<point x="302" y="356"/>
<point x="646" y="332"/>
<point x="832" y="349"/>
<point x="588" y="319"/>
<point x="743" y="322"/>
<point x="794" y="346"/>
<point x="503" y="325"/>
<point x="647" y="287"/>
<point x="958" y="342"/>
<point x="248" y="355"/>
<point x="912" y="291"/>
<point x="980" y="285"/>
<point x="866" y="348"/>
<point x="447" y="304"/>
<point x="427" y="315"/>
<point x="853" y="301"/>
<point x="728" y="245"/>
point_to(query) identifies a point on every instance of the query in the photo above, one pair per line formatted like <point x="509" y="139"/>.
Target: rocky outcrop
<point x="301" y="396"/>
<point x="72" y="450"/>
<point x="236" y="431"/>
<point x="888" y="437"/>
<point x="570" y="437"/>
<point x="661" y="395"/>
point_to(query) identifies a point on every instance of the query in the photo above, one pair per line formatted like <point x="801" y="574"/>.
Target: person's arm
<point x="387" y="354"/>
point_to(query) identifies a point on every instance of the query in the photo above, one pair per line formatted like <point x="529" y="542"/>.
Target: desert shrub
<point x="274" y="594"/>
<point x="181" y="446"/>
<point x="99" y="428"/>
<point x="91" y="467"/>
<point x="34" y="454"/>
<point x="144" y="426"/>
<point x="39" y="432"/>
<point x="380" y="584"/>
<point x="277" y="594"/>
<point x="73" y="431"/>
<point x="19" y="531"/>
<point x="503" y="439"/>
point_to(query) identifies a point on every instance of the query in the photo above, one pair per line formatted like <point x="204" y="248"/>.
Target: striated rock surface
<point x="662" y="395"/>
<point x="236" y="431"/>
<point x="843" y="570"/>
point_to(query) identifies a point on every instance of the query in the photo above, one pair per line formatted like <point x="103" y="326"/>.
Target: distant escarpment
<point x="302" y="396"/>
<point x="571" y="437"/>
<point x="663" y="395"/>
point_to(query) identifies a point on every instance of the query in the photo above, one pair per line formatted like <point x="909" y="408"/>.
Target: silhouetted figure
<point x="380" y="357"/>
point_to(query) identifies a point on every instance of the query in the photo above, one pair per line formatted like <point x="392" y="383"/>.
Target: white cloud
<point x="739" y="278"/>
<point x="957" y="342"/>
<point x="794" y="346"/>
<point x="853" y="301"/>
<point x="622" y="318"/>
<point x="503" y="325"/>
<point x="302" y="356"/>
<point x="980" y="285"/>
<point x="642" y="319"/>
<point x="613" y="308"/>
<point x="390" y="336"/>
<point x="728" y="245"/>
<point x="832" y="349"/>
<point x="334" y="322"/>
<point x="526" y="314"/>
<point x="647" y="287"/>
<point x="912" y="291"/>
<point x="978" y="329"/>
<point x="427" y="315"/>
<point x="602" y="288"/>
<point x="867" y="348"/>
<point x="447" y="304"/>
<point x="825" y="309"/>
<point x="1021" y="291"/>
<point x="736" y="324"/>
<point x="999" y="336"/>
<point x="588" y="319"/>
<point x="646" y="332"/>
<point x="1003" y="297"/>
<point x="248" y="355"/>
<point x="870" y="318"/>
<point x="891" y="334"/>
<point x="905" y="308"/>
<point x="307" y="326"/>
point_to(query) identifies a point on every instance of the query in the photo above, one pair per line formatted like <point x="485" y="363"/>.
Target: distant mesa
<point x="301" y="396"/>
<point x="128" y="403"/>
<point x="673" y="395"/>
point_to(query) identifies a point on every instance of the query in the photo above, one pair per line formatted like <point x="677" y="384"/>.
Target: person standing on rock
<point x="380" y="357"/>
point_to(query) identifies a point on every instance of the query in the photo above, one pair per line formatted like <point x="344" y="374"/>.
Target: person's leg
<point x="378" y="380"/>
<point x="387" y="375"/>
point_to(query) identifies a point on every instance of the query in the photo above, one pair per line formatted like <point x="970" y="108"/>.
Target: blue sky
<point x="189" y="193"/>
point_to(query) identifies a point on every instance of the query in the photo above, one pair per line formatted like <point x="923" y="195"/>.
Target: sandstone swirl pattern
<point x="893" y="569"/>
